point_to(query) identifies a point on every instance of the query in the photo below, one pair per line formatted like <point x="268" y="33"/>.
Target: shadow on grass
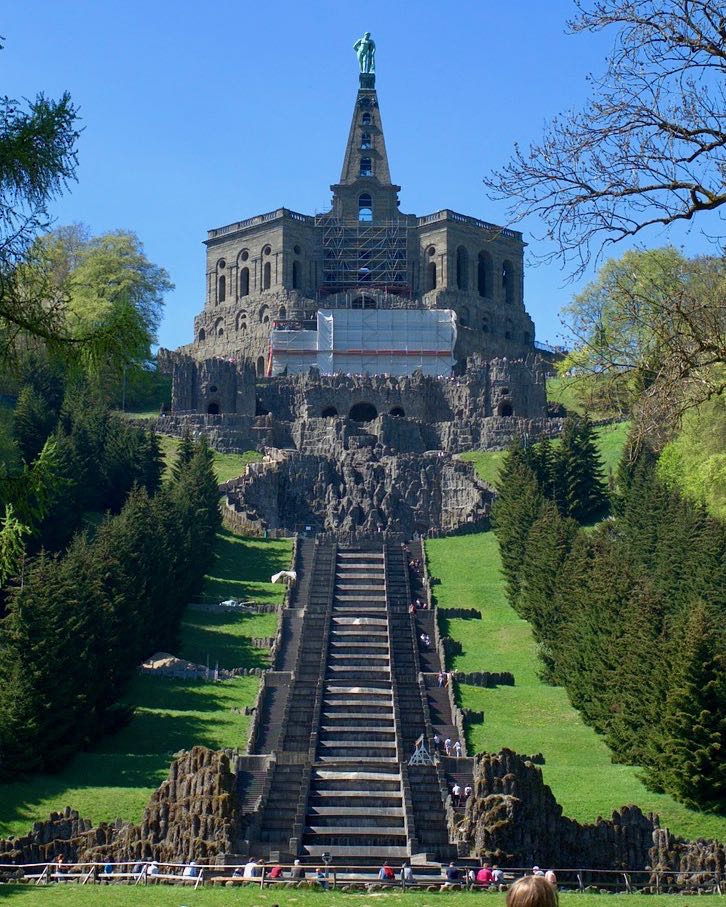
<point x="241" y="562"/>
<point x="222" y="638"/>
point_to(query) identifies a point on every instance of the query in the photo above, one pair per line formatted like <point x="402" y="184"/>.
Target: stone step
<point x="392" y="812"/>
<point x="346" y="757"/>
<point x="360" y="729"/>
<point x="352" y="851"/>
<point x="343" y="621"/>
<point x="353" y="773"/>
<point x="322" y="831"/>
<point x="352" y="720"/>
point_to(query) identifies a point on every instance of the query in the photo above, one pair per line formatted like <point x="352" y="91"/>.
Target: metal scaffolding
<point x="363" y="254"/>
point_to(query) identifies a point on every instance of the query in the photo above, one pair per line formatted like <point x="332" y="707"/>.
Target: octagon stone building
<point x="280" y="268"/>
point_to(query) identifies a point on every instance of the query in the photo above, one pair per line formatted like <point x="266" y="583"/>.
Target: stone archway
<point x="398" y="411"/>
<point x="505" y="408"/>
<point x="213" y="409"/>
<point x="363" y="412"/>
<point x="329" y="412"/>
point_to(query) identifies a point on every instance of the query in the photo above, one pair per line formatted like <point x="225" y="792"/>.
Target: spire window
<point x="366" y="167"/>
<point x="365" y="207"/>
<point x="365" y="141"/>
<point x="366" y="119"/>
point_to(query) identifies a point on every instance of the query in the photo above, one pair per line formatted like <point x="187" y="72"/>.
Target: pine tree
<point x="33" y="422"/>
<point x="689" y="759"/>
<point x="515" y="509"/>
<point x="548" y="545"/>
<point x="583" y="489"/>
<point x="184" y="455"/>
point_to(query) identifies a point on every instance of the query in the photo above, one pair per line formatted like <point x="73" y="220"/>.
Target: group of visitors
<point x="450" y="747"/>
<point x="445" y="678"/>
<point x="425" y="641"/>
<point x="253" y="869"/>
<point x="459" y="795"/>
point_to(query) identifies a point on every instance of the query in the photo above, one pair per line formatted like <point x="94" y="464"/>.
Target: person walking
<point x="447" y="746"/>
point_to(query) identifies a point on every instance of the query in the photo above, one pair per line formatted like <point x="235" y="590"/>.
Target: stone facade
<point x="359" y="489"/>
<point x="364" y="252"/>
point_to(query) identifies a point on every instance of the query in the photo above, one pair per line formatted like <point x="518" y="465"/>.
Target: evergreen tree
<point x="580" y="472"/>
<point x="548" y="544"/>
<point x="33" y="422"/>
<point x="515" y="509"/>
<point x="184" y="455"/>
<point x="689" y="759"/>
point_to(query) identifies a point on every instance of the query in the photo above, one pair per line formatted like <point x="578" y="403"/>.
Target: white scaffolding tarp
<point x="369" y="341"/>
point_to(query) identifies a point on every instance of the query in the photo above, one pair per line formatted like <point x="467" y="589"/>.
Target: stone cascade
<point x="355" y="805"/>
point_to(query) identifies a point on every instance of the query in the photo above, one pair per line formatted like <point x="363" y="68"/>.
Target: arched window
<point x="484" y="274"/>
<point x="508" y="329"/>
<point x="267" y="276"/>
<point x="365" y="141"/>
<point x="329" y="412"/>
<point x="505" y="408"/>
<point x="202" y="334"/>
<point x="296" y="281"/>
<point x="221" y="288"/>
<point x="213" y="409"/>
<point x="398" y="411"/>
<point x="244" y="282"/>
<point x="366" y="119"/>
<point x="264" y="314"/>
<point x="260" y="366"/>
<point x="508" y="281"/>
<point x="464" y="316"/>
<point x="366" y="167"/>
<point x="219" y="327"/>
<point x="462" y="268"/>
<point x="365" y="207"/>
<point x="282" y="314"/>
<point x="431" y="276"/>
<point x="240" y="322"/>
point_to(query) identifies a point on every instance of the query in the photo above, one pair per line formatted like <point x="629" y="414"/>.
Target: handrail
<point x="621" y="879"/>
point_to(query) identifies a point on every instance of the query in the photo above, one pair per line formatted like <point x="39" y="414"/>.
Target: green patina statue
<point x="365" y="47"/>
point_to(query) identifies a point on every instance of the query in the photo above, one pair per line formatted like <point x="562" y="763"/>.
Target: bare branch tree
<point x="650" y="146"/>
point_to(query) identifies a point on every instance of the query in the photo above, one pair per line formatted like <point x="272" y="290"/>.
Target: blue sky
<point x="196" y="115"/>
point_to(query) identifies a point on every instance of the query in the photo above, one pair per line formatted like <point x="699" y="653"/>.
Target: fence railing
<point x="652" y="881"/>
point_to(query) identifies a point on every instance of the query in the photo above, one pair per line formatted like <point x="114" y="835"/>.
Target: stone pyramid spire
<point x="365" y="169"/>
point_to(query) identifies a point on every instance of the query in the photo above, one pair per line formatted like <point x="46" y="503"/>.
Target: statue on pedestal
<point x="365" y="47"/>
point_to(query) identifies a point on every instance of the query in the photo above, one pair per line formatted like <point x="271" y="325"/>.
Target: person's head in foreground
<point x="532" y="891"/>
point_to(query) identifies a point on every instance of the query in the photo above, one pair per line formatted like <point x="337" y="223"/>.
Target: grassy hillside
<point x="532" y="717"/>
<point x="610" y="442"/>
<point x="226" y="465"/>
<point x="117" y="776"/>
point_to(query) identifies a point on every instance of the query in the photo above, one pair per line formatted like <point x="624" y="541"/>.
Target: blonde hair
<point x="532" y="891"/>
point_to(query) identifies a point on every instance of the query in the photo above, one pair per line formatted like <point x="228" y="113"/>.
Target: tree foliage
<point x="652" y="329"/>
<point x="649" y="148"/>
<point x="81" y="622"/>
<point x="629" y="618"/>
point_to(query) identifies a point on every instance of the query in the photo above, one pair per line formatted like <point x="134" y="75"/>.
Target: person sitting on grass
<point x="321" y="878"/>
<point x="485" y="877"/>
<point x="532" y="891"/>
<point x="386" y="874"/>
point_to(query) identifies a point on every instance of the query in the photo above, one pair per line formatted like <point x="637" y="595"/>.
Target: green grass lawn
<point x="532" y="717"/>
<point x="610" y="442"/>
<point x="252" y="896"/>
<point x="226" y="465"/>
<point x="243" y="567"/>
<point x="119" y="774"/>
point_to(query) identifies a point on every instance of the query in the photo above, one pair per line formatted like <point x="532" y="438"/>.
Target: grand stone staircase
<point x="340" y="713"/>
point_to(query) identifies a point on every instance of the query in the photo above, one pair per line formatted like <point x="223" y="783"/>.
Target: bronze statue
<point x="365" y="47"/>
